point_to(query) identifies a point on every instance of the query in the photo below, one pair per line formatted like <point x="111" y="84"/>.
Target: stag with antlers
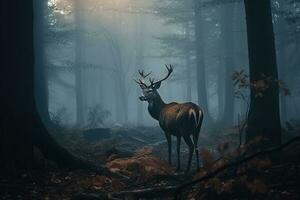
<point x="182" y="120"/>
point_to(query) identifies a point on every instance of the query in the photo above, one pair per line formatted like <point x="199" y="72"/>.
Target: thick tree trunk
<point x="263" y="119"/>
<point x="16" y="84"/>
<point x="200" y="62"/>
<point x="41" y="78"/>
<point x="20" y="126"/>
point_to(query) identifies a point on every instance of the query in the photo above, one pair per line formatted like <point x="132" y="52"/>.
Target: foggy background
<point x="94" y="49"/>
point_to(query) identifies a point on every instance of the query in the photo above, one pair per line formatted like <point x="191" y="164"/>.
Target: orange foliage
<point x="142" y="165"/>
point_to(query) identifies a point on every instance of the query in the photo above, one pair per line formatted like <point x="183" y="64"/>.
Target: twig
<point x="101" y="170"/>
<point x="146" y="193"/>
<point x="233" y="164"/>
<point x="138" y="139"/>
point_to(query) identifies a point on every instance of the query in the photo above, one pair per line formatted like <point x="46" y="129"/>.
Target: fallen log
<point x="146" y="193"/>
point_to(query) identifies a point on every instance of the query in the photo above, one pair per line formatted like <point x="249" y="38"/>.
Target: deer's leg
<point x="195" y="140"/>
<point x="168" y="136"/>
<point x="178" y="152"/>
<point x="190" y="144"/>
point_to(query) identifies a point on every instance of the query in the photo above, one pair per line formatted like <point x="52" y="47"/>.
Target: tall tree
<point x="264" y="118"/>
<point x="229" y="62"/>
<point x="287" y="21"/>
<point x="79" y="62"/>
<point x="41" y="79"/>
<point x="20" y="126"/>
<point x="188" y="62"/>
<point x="200" y="62"/>
<point x="281" y="47"/>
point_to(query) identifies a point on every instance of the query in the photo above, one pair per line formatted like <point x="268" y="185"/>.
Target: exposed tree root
<point x="53" y="151"/>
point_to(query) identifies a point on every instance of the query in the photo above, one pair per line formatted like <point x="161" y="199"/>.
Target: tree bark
<point x="241" y="53"/>
<point x="41" y="76"/>
<point x="20" y="126"/>
<point x="281" y="46"/>
<point x="16" y="84"/>
<point x="263" y="119"/>
<point x="228" y="49"/>
<point x="200" y="62"/>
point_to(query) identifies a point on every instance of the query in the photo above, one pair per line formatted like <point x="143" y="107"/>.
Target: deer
<point x="181" y="120"/>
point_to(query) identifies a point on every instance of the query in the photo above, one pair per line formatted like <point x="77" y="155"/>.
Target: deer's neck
<point x="155" y="106"/>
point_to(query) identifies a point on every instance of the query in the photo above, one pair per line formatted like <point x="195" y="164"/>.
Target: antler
<point x="141" y="72"/>
<point x="143" y="76"/>
<point x="170" y="70"/>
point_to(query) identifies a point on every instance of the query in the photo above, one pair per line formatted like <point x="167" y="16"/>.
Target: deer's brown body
<point x="182" y="120"/>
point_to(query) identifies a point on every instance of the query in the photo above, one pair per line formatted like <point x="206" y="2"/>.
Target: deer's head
<point x="150" y="91"/>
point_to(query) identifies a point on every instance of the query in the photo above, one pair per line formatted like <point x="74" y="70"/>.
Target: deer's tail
<point x="197" y="115"/>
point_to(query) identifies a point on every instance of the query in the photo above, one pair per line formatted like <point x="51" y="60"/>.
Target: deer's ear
<point x="156" y="85"/>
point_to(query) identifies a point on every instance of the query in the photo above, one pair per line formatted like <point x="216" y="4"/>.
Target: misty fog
<point x="94" y="49"/>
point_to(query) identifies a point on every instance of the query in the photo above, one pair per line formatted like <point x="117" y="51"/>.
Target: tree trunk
<point x="200" y="62"/>
<point x="263" y="119"/>
<point x="281" y="45"/>
<point x="221" y="93"/>
<point x="189" y="77"/>
<point x="17" y="83"/>
<point x="241" y="53"/>
<point x="20" y="126"/>
<point x="283" y="76"/>
<point x="188" y="65"/>
<point x="228" y="49"/>
<point x="41" y="76"/>
<point x="79" y="63"/>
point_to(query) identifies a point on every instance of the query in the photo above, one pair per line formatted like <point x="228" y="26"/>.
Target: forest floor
<point x="140" y="153"/>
